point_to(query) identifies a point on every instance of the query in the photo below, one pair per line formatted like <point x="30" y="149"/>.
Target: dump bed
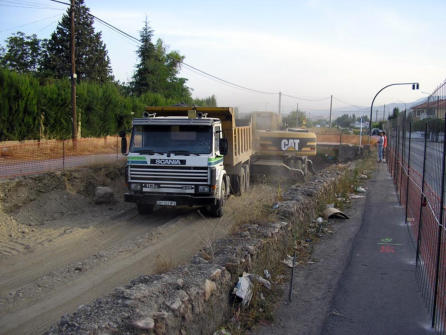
<point x="239" y="138"/>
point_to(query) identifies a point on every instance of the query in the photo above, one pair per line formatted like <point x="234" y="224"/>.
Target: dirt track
<point x="58" y="250"/>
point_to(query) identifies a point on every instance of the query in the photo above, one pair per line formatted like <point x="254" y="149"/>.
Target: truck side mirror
<point x="123" y="142"/>
<point x="223" y="146"/>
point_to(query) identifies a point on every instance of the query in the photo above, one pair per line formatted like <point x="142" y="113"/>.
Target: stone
<point x="175" y="305"/>
<point x="145" y="324"/>
<point x="103" y="195"/>
<point x="209" y="287"/>
<point x="216" y="274"/>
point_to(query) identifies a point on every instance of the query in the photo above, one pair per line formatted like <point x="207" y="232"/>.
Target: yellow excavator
<point x="280" y="151"/>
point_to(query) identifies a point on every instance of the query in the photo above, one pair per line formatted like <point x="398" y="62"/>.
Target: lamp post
<point x="415" y="86"/>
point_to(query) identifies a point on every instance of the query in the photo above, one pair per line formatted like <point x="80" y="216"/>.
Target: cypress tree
<point x="92" y="61"/>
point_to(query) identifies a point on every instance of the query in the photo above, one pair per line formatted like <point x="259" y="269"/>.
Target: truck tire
<point x="216" y="209"/>
<point x="247" y="177"/>
<point x="242" y="187"/>
<point x="145" y="209"/>
<point x="235" y="184"/>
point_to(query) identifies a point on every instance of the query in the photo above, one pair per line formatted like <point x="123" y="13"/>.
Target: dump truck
<point x="278" y="151"/>
<point x="182" y="155"/>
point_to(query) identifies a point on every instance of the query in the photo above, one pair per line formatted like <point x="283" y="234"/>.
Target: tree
<point x="92" y="61"/>
<point x="296" y="119"/>
<point x="344" y="120"/>
<point x="395" y="114"/>
<point x="22" y="53"/>
<point x="157" y="69"/>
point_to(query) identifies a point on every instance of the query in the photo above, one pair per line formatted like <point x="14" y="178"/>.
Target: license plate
<point x="166" y="203"/>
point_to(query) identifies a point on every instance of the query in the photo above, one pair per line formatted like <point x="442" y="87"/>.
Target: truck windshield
<point x="191" y="139"/>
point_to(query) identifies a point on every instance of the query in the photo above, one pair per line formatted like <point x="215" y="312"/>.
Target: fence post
<point x="403" y="149"/>
<point x="420" y="220"/>
<point x="117" y="147"/>
<point x="408" y="169"/>
<point x="395" y="159"/>
<point x="440" y="227"/>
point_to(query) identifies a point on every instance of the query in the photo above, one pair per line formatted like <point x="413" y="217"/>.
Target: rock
<point x="216" y="274"/>
<point x="209" y="287"/>
<point x="198" y="260"/>
<point x="104" y="195"/>
<point x="146" y="323"/>
<point x="174" y="305"/>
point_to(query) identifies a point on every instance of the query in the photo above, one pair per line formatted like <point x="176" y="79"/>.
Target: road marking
<point x="387" y="249"/>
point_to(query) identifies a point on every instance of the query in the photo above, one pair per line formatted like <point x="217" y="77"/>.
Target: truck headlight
<point x="135" y="187"/>
<point x="203" y="189"/>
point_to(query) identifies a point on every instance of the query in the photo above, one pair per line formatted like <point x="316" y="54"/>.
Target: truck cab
<point x="177" y="160"/>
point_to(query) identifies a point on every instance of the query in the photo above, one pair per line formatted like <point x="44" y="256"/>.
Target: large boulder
<point x="103" y="195"/>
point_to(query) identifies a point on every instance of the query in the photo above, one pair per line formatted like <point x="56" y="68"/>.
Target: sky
<point x="307" y="49"/>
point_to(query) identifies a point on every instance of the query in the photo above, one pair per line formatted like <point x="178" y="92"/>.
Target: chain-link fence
<point x="32" y="157"/>
<point x="416" y="159"/>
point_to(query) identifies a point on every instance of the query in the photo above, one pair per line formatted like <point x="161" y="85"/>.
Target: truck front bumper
<point x="179" y="199"/>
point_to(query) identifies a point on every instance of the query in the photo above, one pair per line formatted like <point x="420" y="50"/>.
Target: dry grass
<point x="163" y="263"/>
<point x="254" y="206"/>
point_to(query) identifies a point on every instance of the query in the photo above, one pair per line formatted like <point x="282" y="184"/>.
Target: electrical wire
<point x="195" y="69"/>
<point x="26" y="24"/>
<point x="25" y="4"/>
<point x="305" y="99"/>
<point x="349" y="104"/>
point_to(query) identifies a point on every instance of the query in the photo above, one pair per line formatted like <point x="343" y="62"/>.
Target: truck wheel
<point x="242" y="181"/>
<point x="216" y="209"/>
<point x="235" y="184"/>
<point x="247" y="178"/>
<point x="145" y="209"/>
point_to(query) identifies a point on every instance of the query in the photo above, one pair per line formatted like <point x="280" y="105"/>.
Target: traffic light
<point x="415" y="86"/>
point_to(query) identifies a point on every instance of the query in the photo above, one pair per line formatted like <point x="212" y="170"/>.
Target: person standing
<point x="385" y="146"/>
<point x="380" y="146"/>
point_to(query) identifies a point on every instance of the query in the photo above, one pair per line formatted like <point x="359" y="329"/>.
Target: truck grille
<point x="178" y="175"/>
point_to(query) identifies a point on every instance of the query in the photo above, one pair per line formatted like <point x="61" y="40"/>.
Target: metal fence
<point x="416" y="159"/>
<point x="33" y="157"/>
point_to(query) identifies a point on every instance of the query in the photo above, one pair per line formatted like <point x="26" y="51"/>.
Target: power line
<point x="228" y="82"/>
<point x="349" y="104"/>
<point x="305" y="99"/>
<point x="26" y="24"/>
<point x="193" y="68"/>
<point x="25" y="4"/>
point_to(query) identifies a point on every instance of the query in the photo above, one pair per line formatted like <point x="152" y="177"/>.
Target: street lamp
<point x="415" y="86"/>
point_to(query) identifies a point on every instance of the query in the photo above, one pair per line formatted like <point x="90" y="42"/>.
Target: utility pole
<point x="297" y="115"/>
<point x="384" y="113"/>
<point x="280" y="101"/>
<point x="331" y="104"/>
<point x="73" y="77"/>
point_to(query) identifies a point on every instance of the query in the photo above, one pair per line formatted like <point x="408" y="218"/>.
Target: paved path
<point x="378" y="293"/>
<point x="358" y="285"/>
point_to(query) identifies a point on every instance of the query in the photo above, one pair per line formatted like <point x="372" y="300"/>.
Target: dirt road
<point x="58" y="250"/>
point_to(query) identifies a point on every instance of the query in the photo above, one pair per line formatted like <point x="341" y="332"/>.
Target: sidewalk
<point x="378" y="292"/>
<point x="363" y="280"/>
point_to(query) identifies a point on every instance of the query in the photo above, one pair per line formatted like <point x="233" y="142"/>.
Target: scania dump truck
<point x="187" y="156"/>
